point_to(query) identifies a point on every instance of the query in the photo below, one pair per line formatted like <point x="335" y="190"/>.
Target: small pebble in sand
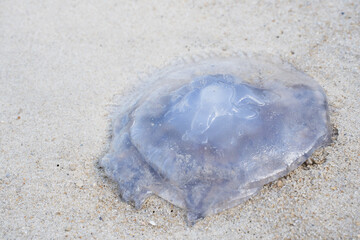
<point x="152" y="223"/>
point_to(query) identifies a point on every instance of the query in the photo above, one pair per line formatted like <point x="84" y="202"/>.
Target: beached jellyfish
<point x="207" y="135"/>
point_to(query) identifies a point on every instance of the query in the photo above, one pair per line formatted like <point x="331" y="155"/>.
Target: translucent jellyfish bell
<point x="208" y="135"/>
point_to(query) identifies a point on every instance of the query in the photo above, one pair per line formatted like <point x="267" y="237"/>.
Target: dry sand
<point x="61" y="63"/>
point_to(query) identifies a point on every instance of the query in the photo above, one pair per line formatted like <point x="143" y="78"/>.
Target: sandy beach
<point x="62" y="63"/>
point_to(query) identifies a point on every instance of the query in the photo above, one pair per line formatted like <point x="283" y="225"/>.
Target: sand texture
<point x="62" y="63"/>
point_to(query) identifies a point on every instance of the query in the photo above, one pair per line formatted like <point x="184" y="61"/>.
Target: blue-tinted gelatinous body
<point x="206" y="136"/>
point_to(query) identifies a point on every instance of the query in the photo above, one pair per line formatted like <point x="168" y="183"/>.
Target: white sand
<point x="61" y="63"/>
